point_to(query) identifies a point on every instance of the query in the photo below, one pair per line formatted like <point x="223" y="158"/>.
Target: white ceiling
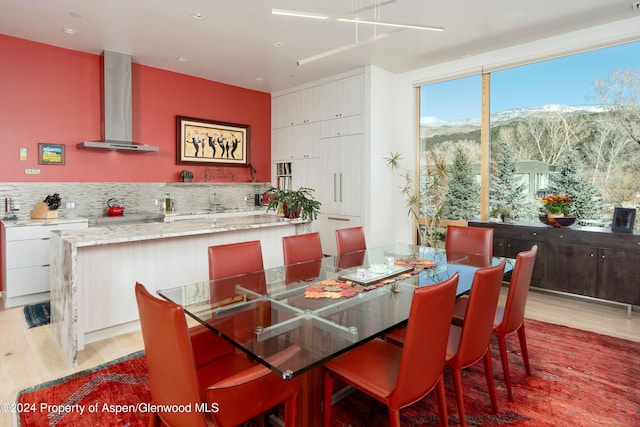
<point x="234" y="44"/>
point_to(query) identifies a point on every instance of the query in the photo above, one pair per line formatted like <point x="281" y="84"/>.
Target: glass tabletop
<point x="324" y="307"/>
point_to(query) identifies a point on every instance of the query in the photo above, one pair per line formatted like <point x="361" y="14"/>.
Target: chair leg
<point x="394" y="417"/>
<point x="328" y="395"/>
<point x="523" y="347"/>
<point x="489" y="374"/>
<point x="441" y="401"/>
<point x="291" y="411"/>
<point x="502" y="344"/>
<point x="457" y="382"/>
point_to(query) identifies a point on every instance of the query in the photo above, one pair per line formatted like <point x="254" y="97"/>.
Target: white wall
<point x="381" y="190"/>
<point x="403" y="111"/>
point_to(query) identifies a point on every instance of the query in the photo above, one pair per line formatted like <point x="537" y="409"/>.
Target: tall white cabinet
<point x="320" y="130"/>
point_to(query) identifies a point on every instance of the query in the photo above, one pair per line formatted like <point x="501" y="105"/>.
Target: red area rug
<point x="578" y="379"/>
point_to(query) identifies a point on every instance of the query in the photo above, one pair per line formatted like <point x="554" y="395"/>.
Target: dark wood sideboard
<point x="589" y="261"/>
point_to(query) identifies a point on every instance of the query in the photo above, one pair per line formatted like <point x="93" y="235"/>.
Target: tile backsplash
<point x="90" y="198"/>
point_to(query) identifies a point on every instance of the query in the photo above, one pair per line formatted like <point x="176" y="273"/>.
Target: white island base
<point x="93" y="271"/>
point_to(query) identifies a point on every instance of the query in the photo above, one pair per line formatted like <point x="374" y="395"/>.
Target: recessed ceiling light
<point x="199" y="16"/>
<point x="181" y="59"/>
<point x="70" y="31"/>
<point x="278" y="44"/>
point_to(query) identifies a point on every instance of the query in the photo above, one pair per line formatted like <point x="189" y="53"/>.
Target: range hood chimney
<point x="117" y="119"/>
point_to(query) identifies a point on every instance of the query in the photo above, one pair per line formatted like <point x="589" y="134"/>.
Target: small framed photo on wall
<point x="51" y="154"/>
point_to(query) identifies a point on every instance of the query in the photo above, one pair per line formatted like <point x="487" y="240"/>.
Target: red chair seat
<point x="362" y="367"/>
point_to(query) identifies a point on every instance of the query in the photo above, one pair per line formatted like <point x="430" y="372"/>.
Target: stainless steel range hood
<point x="117" y="119"/>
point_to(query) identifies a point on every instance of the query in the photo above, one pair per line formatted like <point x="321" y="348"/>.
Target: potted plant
<point x="502" y="214"/>
<point x="293" y="203"/>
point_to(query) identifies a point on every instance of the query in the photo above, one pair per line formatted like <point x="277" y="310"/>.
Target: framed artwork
<point x="211" y="143"/>
<point x="51" y="154"/>
<point x="623" y="220"/>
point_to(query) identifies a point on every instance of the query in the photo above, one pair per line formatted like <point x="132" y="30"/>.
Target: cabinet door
<point x="292" y="109"/>
<point x="305" y="173"/>
<point x="572" y="268"/>
<point x="618" y="273"/>
<point x="279" y="144"/>
<point x="351" y="125"/>
<point x="342" y="98"/>
<point x="341" y="181"/>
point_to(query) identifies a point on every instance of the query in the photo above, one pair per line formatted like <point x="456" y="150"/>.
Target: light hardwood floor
<point x="31" y="356"/>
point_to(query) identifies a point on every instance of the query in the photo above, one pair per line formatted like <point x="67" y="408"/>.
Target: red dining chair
<point x="233" y="259"/>
<point x="350" y="240"/>
<point x="196" y="367"/>
<point x="227" y="261"/>
<point x="301" y="247"/>
<point x="469" y="240"/>
<point x="510" y="317"/>
<point x="469" y="343"/>
<point x="400" y="376"/>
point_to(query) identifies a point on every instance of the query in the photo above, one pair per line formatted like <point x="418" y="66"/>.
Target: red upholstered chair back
<point x="302" y="271"/>
<point x="478" y="319"/>
<point x="425" y="345"/>
<point x="350" y="240"/>
<point x="514" y="307"/>
<point x="235" y="258"/>
<point x="351" y="259"/>
<point x="172" y="372"/>
<point x="301" y="247"/>
<point x="470" y="240"/>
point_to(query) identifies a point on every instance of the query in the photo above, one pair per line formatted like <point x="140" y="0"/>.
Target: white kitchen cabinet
<point x="293" y="109"/>
<point x="341" y="98"/>
<point x="341" y="175"/>
<point x="295" y="142"/>
<point x="344" y="126"/>
<point x="329" y="223"/>
<point x="26" y="260"/>
<point x="320" y="131"/>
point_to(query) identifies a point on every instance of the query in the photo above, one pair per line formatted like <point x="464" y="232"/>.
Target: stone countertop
<point x="35" y="222"/>
<point x="160" y="230"/>
<point x="220" y="213"/>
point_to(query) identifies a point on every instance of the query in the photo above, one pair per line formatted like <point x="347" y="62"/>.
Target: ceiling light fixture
<point x="298" y="14"/>
<point x="181" y="59"/>
<point x="199" y="16"/>
<point x="391" y="24"/>
<point x="70" y="31"/>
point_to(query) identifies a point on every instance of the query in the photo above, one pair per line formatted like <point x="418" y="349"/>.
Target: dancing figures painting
<point x="202" y="141"/>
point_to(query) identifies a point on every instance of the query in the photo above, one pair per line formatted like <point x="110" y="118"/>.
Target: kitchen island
<point x="93" y="271"/>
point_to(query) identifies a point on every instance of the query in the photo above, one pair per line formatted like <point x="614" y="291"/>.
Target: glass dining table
<point x="324" y="307"/>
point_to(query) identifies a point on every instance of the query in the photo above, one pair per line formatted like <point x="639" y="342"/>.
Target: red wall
<point x="49" y="94"/>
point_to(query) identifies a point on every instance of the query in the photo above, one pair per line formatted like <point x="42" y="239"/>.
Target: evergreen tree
<point x="506" y="189"/>
<point x="570" y="180"/>
<point x="463" y="195"/>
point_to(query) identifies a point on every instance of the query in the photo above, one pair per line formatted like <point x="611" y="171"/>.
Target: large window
<point x="567" y="126"/>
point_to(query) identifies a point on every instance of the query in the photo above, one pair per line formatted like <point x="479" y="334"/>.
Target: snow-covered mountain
<point x="517" y="113"/>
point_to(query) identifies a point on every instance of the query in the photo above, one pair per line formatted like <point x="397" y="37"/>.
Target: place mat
<point x="337" y="288"/>
<point x="416" y="263"/>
